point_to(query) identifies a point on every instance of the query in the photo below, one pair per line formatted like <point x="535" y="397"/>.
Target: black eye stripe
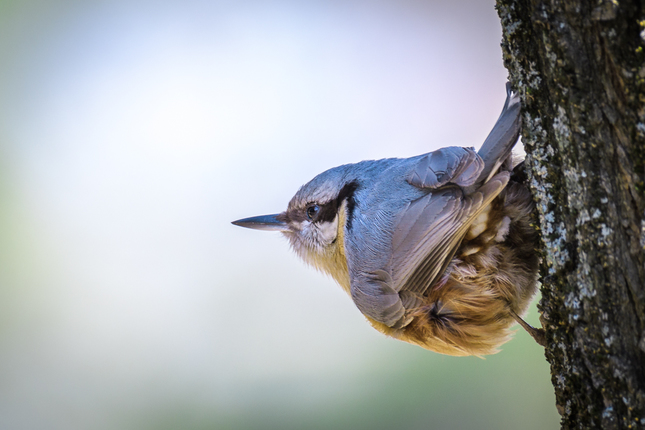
<point x="328" y="211"/>
<point x="347" y="193"/>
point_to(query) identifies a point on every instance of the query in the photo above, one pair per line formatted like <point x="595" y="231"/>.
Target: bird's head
<point x="315" y="221"/>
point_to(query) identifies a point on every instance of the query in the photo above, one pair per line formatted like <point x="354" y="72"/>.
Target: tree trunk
<point x="580" y="69"/>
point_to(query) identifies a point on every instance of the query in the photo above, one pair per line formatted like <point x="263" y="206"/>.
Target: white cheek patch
<point x="327" y="231"/>
<point x="313" y="241"/>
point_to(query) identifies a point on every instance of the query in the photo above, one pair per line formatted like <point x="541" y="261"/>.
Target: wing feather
<point x="427" y="232"/>
<point x="454" y="164"/>
<point x="434" y="232"/>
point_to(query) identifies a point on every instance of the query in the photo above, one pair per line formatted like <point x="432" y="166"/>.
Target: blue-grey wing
<point x="427" y="231"/>
<point x="425" y="235"/>
<point x="454" y="164"/>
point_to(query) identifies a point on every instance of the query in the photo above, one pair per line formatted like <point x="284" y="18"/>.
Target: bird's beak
<point x="263" y="222"/>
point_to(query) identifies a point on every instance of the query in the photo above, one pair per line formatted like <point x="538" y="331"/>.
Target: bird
<point x="437" y="250"/>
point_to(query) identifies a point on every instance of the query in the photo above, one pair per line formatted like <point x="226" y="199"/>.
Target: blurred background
<point x="133" y="132"/>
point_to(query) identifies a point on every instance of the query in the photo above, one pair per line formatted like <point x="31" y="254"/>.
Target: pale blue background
<point x="133" y="132"/>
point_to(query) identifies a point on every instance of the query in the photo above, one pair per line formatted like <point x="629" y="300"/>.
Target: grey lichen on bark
<point x="580" y="69"/>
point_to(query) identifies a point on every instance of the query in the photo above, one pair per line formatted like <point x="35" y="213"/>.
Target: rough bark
<point x="580" y="69"/>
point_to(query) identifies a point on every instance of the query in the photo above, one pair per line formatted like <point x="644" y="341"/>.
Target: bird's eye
<point x="312" y="211"/>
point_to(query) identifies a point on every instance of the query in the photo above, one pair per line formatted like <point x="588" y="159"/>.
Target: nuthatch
<point x="437" y="250"/>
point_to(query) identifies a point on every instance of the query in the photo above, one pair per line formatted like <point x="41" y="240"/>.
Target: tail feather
<point x="498" y="145"/>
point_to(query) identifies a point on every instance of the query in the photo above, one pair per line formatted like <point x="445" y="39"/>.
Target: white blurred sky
<point x="132" y="133"/>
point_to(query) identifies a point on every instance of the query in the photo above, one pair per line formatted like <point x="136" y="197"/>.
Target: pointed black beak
<point x="263" y="222"/>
